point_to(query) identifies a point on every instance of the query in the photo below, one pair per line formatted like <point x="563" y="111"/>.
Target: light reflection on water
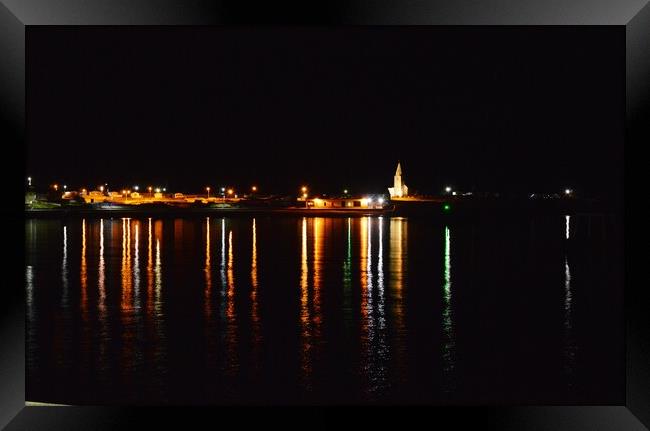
<point x="64" y="269"/>
<point x="83" y="276"/>
<point x="232" y="365"/>
<point x="376" y="352"/>
<point x="310" y="300"/>
<point x="255" y="313"/>
<point x="127" y="331"/>
<point x="569" y="342"/>
<point x="397" y="265"/>
<point x="447" y="316"/>
<point x="347" y="278"/>
<point x="207" y="270"/>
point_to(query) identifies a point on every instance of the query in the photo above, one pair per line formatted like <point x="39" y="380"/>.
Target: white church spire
<point x="399" y="189"/>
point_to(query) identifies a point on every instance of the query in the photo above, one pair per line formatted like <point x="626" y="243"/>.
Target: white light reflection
<point x="64" y="269"/>
<point x="158" y="281"/>
<point x="254" y="303"/>
<point x="569" y="342"/>
<point x="29" y="286"/>
<point x="136" y="268"/>
<point x="222" y="270"/>
<point x="567" y="218"/>
<point x="347" y="279"/>
<point x="101" y="276"/>
<point x="448" y="353"/>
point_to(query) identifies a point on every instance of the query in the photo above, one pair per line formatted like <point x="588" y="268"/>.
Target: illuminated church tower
<point x="399" y="189"/>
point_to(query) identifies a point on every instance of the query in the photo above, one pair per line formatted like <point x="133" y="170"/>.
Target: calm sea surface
<point x="280" y="309"/>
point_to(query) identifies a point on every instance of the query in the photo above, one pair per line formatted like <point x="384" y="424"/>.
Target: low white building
<point x="345" y="203"/>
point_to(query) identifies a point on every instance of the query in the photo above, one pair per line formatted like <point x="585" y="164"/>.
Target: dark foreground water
<point x="288" y="309"/>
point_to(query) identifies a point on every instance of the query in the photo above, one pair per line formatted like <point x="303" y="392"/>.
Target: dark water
<point x="336" y="310"/>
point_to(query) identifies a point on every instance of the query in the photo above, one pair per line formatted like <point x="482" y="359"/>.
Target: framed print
<point x="419" y="211"/>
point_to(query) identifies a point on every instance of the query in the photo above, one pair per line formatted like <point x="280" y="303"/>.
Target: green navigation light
<point x="446" y="207"/>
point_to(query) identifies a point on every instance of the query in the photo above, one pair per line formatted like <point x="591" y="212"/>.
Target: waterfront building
<point x="344" y="203"/>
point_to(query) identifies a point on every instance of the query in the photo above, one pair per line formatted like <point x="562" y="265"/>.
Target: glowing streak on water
<point x="223" y="264"/>
<point x="64" y="268"/>
<point x="567" y="218"/>
<point x="149" y="272"/>
<point x="254" y="286"/>
<point x="347" y="278"/>
<point x="397" y="259"/>
<point x="447" y="317"/>
<point x="83" y="273"/>
<point x="136" y="268"/>
<point x="158" y="282"/>
<point x="305" y="320"/>
<point x="101" y="274"/>
<point x="29" y="284"/>
<point x="207" y="270"/>
<point x="569" y="342"/>
<point x="231" y="331"/>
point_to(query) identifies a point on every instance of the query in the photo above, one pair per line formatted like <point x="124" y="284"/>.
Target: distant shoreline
<point x="455" y="209"/>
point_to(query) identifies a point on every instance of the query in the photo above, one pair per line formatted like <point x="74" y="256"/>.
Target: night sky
<point x="484" y="109"/>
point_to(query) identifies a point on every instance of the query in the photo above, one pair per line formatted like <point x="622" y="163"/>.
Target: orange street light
<point x="208" y="190"/>
<point x="304" y="189"/>
<point x="254" y="188"/>
<point x="56" y="187"/>
<point x="230" y="191"/>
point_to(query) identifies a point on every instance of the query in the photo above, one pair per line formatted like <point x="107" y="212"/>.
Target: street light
<point x="447" y="189"/>
<point x="29" y="181"/>
<point x="230" y="191"/>
<point x="208" y="189"/>
<point x="567" y="191"/>
<point x="136" y="188"/>
<point x="254" y="188"/>
<point x="149" y="188"/>
<point x="304" y="189"/>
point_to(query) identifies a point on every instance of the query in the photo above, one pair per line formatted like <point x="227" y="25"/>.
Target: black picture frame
<point x="16" y="16"/>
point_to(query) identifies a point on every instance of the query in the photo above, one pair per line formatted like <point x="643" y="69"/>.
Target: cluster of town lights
<point x="230" y="191"/>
